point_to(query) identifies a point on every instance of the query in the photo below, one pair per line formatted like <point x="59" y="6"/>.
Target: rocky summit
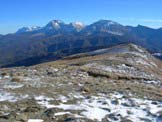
<point x="117" y="84"/>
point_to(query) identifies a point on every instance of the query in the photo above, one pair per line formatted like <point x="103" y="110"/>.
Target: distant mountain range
<point x="32" y="45"/>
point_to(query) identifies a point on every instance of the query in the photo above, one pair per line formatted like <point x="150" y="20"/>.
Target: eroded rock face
<point x="105" y="87"/>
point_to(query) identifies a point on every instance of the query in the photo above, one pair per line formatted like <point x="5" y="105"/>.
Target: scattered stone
<point x="125" y="120"/>
<point x="154" y="103"/>
<point x="115" y="102"/>
<point x="129" y="103"/>
<point x="107" y="109"/>
<point x="16" y="79"/>
<point x="145" y="120"/>
<point x="32" y="108"/>
<point x="85" y="89"/>
<point x="159" y="118"/>
<point x="113" y="117"/>
<point x="4" y="74"/>
<point x="22" y="117"/>
<point x="81" y="120"/>
<point x="129" y="112"/>
<point x="49" y="112"/>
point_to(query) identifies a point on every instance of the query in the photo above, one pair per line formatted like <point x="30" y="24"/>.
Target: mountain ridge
<point x="99" y="21"/>
<point x="58" y="39"/>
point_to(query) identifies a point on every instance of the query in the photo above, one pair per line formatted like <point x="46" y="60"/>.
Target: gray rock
<point x="115" y="102"/>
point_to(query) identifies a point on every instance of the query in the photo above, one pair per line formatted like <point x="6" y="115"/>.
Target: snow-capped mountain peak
<point x="28" y="29"/>
<point x="54" y="24"/>
<point x="112" y="23"/>
<point x="78" y="25"/>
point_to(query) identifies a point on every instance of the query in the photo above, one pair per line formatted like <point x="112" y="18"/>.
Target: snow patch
<point x="94" y="113"/>
<point x="12" y="85"/>
<point x="66" y="107"/>
<point x="138" y="54"/>
<point x="61" y="113"/>
<point x="98" y="107"/>
<point x="137" y="48"/>
<point x="6" y="96"/>
<point x="35" y="120"/>
<point x="121" y="68"/>
<point x="152" y="82"/>
<point x="6" y="77"/>
<point x="157" y="54"/>
<point x="143" y="62"/>
<point x="64" y="99"/>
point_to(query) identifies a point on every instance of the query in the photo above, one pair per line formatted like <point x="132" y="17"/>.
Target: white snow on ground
<point x="137" y="48"/>
<point x="40" y="98"/>
<point x="7" y="77"/>
<point x="128" y="71"/>
<point x="94" y="112"/>
<point x="122" y="69"/>
<point x="55" y="69"/>
<point x="35" y="120"/>
<point x="144" y="62"/>
<point x="44" y="101"/>
<point x="97" y="110"/>
<point x="75" y="96"/>
<point x="63" y="98"/>
<point x="115" y="95"/>
<point x="141" y="61"/>
<point x="153" y="64"/>
<point x="12" y="85"/>
<point x="97" y="107"/>
<point x="27" y="79"/>
<point x="61" y="113"/>
<point x="152" y="82"/>
<point x="5" y="96"/>
<point x="67" y="113"/>
<point x="66" y="106"/>
<point x="154" y="109"/>
<point x="34" y="81"/>
<point x="138" y="54"/>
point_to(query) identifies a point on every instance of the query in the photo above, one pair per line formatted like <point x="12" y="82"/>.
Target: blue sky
<point x="17" y="13"/>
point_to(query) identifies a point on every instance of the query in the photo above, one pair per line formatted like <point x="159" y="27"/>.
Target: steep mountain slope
<point x="149" y="38"/>
<point x="118" y="84"/>
<point x="57" y="39"/>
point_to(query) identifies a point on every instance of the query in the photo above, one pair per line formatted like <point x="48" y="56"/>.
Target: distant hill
<point x="33" y="45"/>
